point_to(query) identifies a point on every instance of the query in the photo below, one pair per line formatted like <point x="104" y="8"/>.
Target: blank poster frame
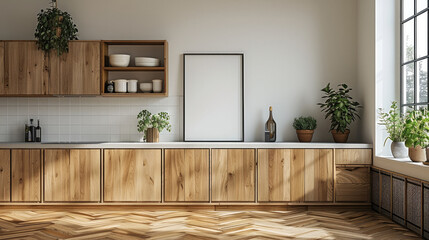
<point x="186" y="137"/>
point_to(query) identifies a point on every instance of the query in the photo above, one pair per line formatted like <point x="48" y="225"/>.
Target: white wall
<point x="292" y="49"/>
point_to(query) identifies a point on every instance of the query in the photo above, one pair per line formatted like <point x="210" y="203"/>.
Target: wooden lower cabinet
<point x="233" y="175"/>
<point x="353" y="156"/>
<point x="132" y="175"/>
<point x="72" y="175"/>
<point x="352" y="184"/>
<point x="5" y="175"/>
<point x="26" y="175"/>
<point x="295" y="175"/>
<point x="186" y="175"/>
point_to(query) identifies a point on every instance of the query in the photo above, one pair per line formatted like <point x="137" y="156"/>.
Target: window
<point x="414" y="54"/>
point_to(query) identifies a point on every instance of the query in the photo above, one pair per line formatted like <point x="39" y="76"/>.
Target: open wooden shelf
<point x="149" y="48"/>
<point x="134" y="94"/>
<point x="134" y="68"/>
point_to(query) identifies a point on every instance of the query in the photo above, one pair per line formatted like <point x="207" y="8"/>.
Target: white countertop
<point x="184" y="145"/>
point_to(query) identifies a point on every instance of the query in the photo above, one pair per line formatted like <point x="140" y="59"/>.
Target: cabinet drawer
<point x="352" y="192"/>
<point x="353" y="156"/>
<point x="352" y="184"/>
<point x="352" y="175"/>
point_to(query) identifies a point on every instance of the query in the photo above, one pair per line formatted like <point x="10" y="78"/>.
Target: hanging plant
<point x="54" y="30"/>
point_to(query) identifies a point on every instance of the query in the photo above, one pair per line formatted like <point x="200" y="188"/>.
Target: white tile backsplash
<point x="85" y="118"/>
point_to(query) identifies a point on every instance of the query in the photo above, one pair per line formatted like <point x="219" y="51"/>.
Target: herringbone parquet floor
<point x="197" y="224"/>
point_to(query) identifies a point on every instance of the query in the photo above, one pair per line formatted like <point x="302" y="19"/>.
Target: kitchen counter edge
<point x="108" y="145"/>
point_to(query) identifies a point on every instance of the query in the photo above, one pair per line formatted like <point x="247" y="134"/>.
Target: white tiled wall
<point x="85" y="118"/>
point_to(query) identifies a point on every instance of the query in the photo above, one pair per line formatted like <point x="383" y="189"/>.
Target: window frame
<point x="403" y="105"/>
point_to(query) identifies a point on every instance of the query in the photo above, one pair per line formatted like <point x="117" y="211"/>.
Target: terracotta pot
<point x="340" y="137"/>
<point x="304" y="135"/>
<point x="152" y="135"/>
<point x="417" y="154"/>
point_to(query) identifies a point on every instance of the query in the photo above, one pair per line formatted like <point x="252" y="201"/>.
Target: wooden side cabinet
<point x="24" y="69"/>
<point x="233" y="175"/>
<point x="76" y="72"/>
<point x="72" y="175"/>
<point x="132" y="175"/>
<point x="186" y="175"/>
<point x="5" y="175"/>
<point x="26" y="166"/>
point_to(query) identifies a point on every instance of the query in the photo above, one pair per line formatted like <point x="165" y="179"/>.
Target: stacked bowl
<point x="147" y="62"/>
<point x="119" y="60"/>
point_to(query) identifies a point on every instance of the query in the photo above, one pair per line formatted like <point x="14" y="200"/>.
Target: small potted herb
<point x="341" y="111"/>
<point x="152" y="124"/>
<point x="304" y="127"/>
<point x="395" y="124"/>
<point x="416" y="134"/>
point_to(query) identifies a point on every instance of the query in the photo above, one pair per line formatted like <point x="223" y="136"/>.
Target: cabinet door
<point x="78" y="71"/>
<point x="132" y="175"/>
<point x="187" y="175"/>
<point x="319" y="175"/>
<point x="24" y="66"/>
<point x="72" y="175"/>
<point x="26" y="175"/>
<point x="233" y="175"/>
<point x="2" y="87"/>
<point x="280" y="175"/>
<point x="5" y="175"/>
<point x="353" y="156"/>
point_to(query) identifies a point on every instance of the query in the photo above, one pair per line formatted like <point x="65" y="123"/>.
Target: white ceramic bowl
<point x="146" y="87"/>
<point x="146" y="62"/>
<point x="120" y="85"/>
<point x="119" y="60"/>
<point x="141" y="64"/>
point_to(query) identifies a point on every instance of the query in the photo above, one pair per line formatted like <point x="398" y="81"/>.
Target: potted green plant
<point x="416" y="134"/>
<point x="54" y="30"/>
<point x="304" y="127"/>
<point x="152" y="124"/>
<point x="341" y="111"/>
<point x="395" y="124"/>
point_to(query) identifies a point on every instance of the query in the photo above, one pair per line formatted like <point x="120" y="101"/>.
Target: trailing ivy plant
<point x="147" y="120"/>
<point x="394" y="122"/>
<point x="339" y="107"/>
<point x="54" y="30"/>
<point x="305" y="123"/>
<point x="417" y="128"/>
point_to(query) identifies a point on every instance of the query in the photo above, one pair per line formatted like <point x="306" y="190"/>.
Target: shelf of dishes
<point x="122" y="62"/>
<point x="130" y="86"/>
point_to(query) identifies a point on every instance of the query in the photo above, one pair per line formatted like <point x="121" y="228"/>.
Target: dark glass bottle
<point x="38" y="132"/>
<point x="270" y="128"/>
<point x="33" y="131"/>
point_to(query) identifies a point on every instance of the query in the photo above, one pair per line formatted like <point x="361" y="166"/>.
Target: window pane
<point x="408" y="41"/>
<point x="407" y="109"/>
<point x="422" y="80"/>
<point x="408" y="79"/>
<point x="419" y="107"/>
<point x="421" y="4"/>
<point x="407" y="8"/>
<point x="422" y="35"/>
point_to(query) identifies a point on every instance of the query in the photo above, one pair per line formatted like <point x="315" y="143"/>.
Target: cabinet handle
<point x="350" y="169"/>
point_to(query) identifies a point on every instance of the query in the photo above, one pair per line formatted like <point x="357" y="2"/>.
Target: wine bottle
<point x="33" y="131"/>
<point x="270" y="128"/>
<point x="38" y="132"/>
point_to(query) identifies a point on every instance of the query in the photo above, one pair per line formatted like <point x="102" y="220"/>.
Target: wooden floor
<point x="197" y="224"/>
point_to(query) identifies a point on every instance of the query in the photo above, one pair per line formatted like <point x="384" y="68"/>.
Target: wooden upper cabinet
<point x="76" y="72"/>
<point x="26" y="166"/>
<point x="24" y="69"/>
<point x="72" y="175"/>
<point x="132" y="175"/>
<point x="2" y="86"/>
<point x="233" y="175"/>
<point x="319" y="175"/>
<point x="5" y="175"/>
<point x="353" y="156"/>
<point x="187" y="175"/>
<point x="281" y="175"/>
